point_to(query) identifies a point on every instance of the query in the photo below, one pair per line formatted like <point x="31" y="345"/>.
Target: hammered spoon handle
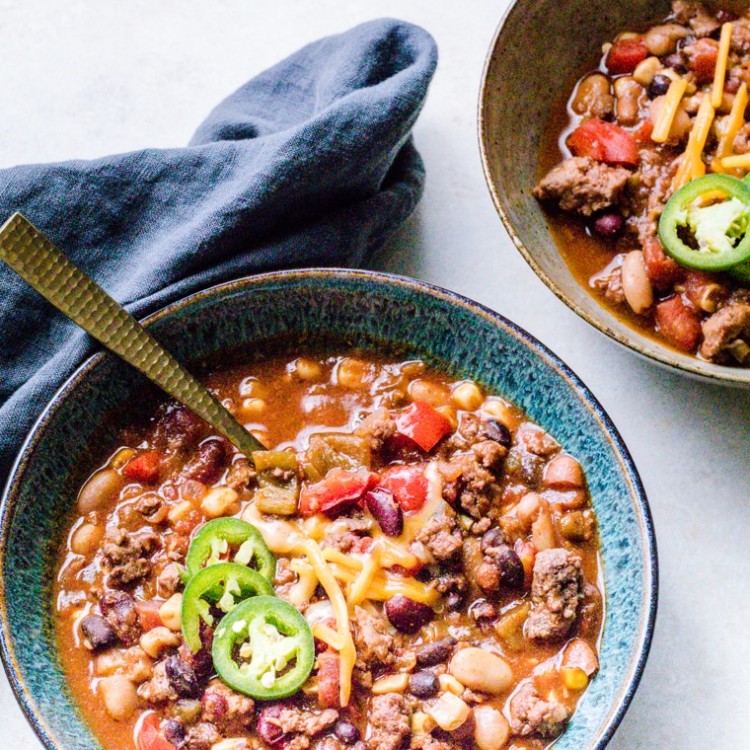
<point x="33" y="257"/>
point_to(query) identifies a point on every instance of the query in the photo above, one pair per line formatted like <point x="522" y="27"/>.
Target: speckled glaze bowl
<point x="363" y="308"/>
<point x="539" y="50"/>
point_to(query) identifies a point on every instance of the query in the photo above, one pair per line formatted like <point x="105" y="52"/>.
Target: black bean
<point x="99" y="632"/>
<point x="423" y="684"/>
<point x="407" y="615"/>
<point x="498" y="432"/>
<point x="658" y="86"/>
<point x="174" y="731"/>
<point x="386" y="511"/>
<point x="182" y="677"/>
<point x="608" y="225"/>
<point x="511" y="568"/>
<point x="436" y="652"/>
<point x="346" y="731"/>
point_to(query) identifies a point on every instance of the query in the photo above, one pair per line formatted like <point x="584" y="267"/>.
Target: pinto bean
<point x="662" y="39"/>
<point x="481" y="670"/>
<point x="628" y="93"/>
<point x="593" y="97"/>
<point x="99" y="490"/>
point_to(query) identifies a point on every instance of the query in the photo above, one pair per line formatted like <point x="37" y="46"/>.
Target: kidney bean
<point x="436" y="652"/>
<point x="99" y="632"/>
<point x="346" y="731"/>
<point x="266" y="726"/>
<point x="511" y="568"/>
<point x="181" y="677"/>
<point x="387" y="512"/>
<point x="423" y="684"/>
<point x="207" y="465"/>
<point x="608" y="225"/>
<point x="214" y="705"/>
<point x="407" y="615"/>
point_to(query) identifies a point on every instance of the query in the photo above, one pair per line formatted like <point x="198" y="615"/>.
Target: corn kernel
<point x="422" y="723"/>
<point x="351" y="373"/>
<point x="467" y="396"/>
<point x="157" y="640"/>
<point x="432" y="394"/>
<point x="171" y="612"/>
<point x="251" y="387"/>
<point x="392" y="683"/>
<point x="450" y="712"/>
<point x="450" y="414"/>
<point x="218" y="501"/>
<point x="306" y="369"/>
<point x="574" y="678"/>
<point x="498" y="409"/>
<point x="251" y="409"/>
<point x="646" y="70"/>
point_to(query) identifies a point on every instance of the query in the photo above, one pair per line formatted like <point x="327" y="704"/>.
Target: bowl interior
<point x="539" y="51"/>
<point x="362" y="308"/>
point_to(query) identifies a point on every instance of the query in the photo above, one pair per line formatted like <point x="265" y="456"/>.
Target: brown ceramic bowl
<point x="540" y="49"/>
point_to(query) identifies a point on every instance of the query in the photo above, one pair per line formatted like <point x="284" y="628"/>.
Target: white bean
<point x="491" y="728"/>
<point x="157" y="640"/>
<point x="218" y="501"/>
<point x="171" y="612"/>
<point x="635" y="283"/>
<point x="119" y="696"/>
<point x="481" y="670"/>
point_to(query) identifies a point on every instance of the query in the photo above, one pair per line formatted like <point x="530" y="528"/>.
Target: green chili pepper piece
<point x="224" y="586"/>
<point x="214" y="540"/>
<point x="720" y="230"/>
<point x="264" y="648"/>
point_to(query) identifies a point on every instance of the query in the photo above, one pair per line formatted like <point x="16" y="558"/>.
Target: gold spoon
<point x="35" y="259"/>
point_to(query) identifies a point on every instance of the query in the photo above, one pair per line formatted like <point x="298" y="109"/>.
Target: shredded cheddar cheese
<point x="692" y="165"/>
<point x="347" y="652"/>
<point x="668" y="110"/>
<point x="729" y="129"/>
<point x="328" y="636"/>
<point x="362" y="582"/>
<point x="717" y="91"/>
<point x="738" y="161"/>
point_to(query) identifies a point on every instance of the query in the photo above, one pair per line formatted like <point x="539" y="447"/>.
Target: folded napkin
<point x="309" y="164"/>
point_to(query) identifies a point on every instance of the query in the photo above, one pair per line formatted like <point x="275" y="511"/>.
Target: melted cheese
<point x="729" y="129"/>
<point x="668" y="110"/>
<point x="361" y="584"/>
<point x="347" y="652"/>
<point x="692" y="165"/>
<point x="717" y="90"/>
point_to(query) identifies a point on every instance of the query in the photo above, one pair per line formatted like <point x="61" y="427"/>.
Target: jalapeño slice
<point x="264" y="648"/>
<point x="719" y="228"/>
<point x="214" y="540"/>
<point x="222" y="586"/>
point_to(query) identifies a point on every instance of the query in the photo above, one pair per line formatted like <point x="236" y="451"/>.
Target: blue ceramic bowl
<point x="364" y="308"/>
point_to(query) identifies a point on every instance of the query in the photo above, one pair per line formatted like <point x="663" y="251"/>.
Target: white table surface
<point x="84" y="79"/>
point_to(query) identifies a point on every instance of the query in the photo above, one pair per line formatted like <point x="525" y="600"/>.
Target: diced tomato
<point x="526" y="551"/>
<point x="662" y="270"/>
<point x="678" y="323"/>
<point x="604" y="141"/>
<point x="702" y="287"/>
<point x="148" y="736"/>
<point x="148" y="613"/>
<point x="423" y="424"/>
<point x="624" y="56"/>
<point x="144" y="468"/>
<point x="702" y="56"/>
<point x="338" y="490"/>
<point x="408" y="485"/>
<point x="329" y="671"/>
<point x="643" y="134"/>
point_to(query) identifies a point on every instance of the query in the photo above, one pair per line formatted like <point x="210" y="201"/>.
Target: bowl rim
<point x="672" y="360"/>
<point x="637" y="495"/>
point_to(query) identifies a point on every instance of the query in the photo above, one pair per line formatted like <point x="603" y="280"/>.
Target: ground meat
<point x="240" y="474"/>
<point x="149" y="505"/>
<point x="740" y="36"/>
<point x="742" y="140"/>
<point x="158" y="689"/>
<point x="472" y="429"/>
<point x="555" y="594"/>
<point x="302" y="725"/>
<point x="453" y="588"/>
<point x="389" y="721"/>
<point x="582" y="185"/>
<point x="378" y="427"/>
<point x="696" y="16"/>
<point x="127" y="557"/>
<point x="441" y="536"/>
<point x="469" y="485"/>
<point x="118" y="608"/>
<point x="221" y="705"/>
<point x="725" y="327"/>
<point x="168" y="581"/>
<point x="428" y="742"/>
<point x="201" y="737"/>
<point x="373" y="638"/>
<point x="349" y="535"/>
<point x="609" y="283"/>
<point x="531" y="714"/>
<point x="653" y="188"/>
<point x="490" y="455"/>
